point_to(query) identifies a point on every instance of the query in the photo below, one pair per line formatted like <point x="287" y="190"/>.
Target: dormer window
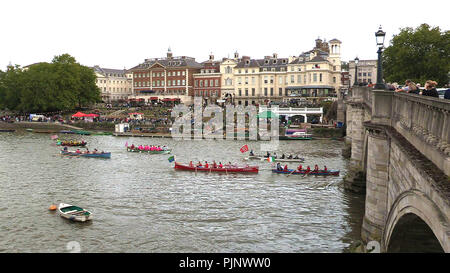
<point x="274" y="61"/>
<point x="247" y="61"/>
<point x="267" y="61"/>
<point x="284" y="61"/>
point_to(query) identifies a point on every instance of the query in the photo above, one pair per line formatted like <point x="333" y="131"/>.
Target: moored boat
<point x="97" y="155"/>
<point x="304" y="172"/>
<point x="225" y="169"/>
<point x="7" y="130"/>
<point x="74" y="213"/>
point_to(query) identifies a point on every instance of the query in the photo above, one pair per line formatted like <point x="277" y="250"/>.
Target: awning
<point x="153" y="98"/>
<point x="92" y="115"/>
<point x="170" y="99"/>
<point x="78" y="115"/>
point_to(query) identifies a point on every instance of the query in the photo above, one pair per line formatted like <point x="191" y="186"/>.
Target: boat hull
<point x="98" y="155"/>
<point x="71" y="145"/>
<point x="250" y="169"/>
<point x="303" y="172"/>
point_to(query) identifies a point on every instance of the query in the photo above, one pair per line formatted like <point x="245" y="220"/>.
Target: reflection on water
<point x="141" y="204"/>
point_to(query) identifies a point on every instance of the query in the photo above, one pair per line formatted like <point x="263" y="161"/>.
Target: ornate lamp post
<point x="380" y="34"/>
<point x="356" y="71"/>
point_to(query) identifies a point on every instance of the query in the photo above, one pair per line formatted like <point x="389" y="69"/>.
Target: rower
<point x="300" y="167"/>
<point x="275" y="155"/>
<point x="251" y="153"/>
<point x="214" y="164"/>
<point x="87" y="150"/>
<point x="285" y="167"/>
<point x="95" y="151"/>
<point x="78" y="151"/>
<point x="279" y="166"/>
<point x="308" y="169"/>
<point x="282" y="156"/>
<point x="316" y="168"/>
<point x="268" y="154"/>
<point x="296" y="157"/>
<point x="206" y="164"/>
<point x="290" y="156"/>
<point x="220" y="165"/>
<point x="132" y="147"/>
<point x="325" y="168"/>
<point x="190" y="164"/>
<point x="65" y="149"/>
<point x="199" y="164"/>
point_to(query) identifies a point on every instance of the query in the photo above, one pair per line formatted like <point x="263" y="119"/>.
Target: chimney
<point x="275" y="55"/>
<point x="169" y="53"/>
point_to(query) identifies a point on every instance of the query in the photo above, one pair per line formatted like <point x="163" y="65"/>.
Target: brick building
<point x="170" y="78"/>
<point x="207" y="83"/>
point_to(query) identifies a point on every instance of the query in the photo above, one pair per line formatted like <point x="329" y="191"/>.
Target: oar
<point x="291" y="173"/>
<point x="306" y="173"/>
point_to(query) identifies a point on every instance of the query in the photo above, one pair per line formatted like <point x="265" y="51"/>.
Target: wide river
<point x="141" y="204"/>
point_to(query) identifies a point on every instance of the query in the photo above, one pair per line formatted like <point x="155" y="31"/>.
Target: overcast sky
<point x="117" y="34"/>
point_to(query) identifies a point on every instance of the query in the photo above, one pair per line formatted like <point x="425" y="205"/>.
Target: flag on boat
<point x="244" y="148"/>
<point x="172" y="158"/>
<point x="271" y="159"/>
<point x="54" y="137"/>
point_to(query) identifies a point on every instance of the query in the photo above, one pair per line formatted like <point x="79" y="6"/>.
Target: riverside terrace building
<point x="367" y="71"/>
<point x="115" y="84"/>
<point x="312" y="76"/>
<point x="207" y="83"/>
<point x="165" y="79"/>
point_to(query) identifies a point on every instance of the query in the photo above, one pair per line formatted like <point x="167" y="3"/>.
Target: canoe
<point x="67" y="143"/>
<point x="97" y="155"/>
<point x="312" y="172"/>
<point x="148" y="152"/>
<point x="249" y="169"/>
<point x="7" y="130"/>
<point x="74" y="213"/>
<point x="300" y="160"/>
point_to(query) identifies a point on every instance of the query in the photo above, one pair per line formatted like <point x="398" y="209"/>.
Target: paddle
<point x="291" y="173"/>
<point x="306" y="173"/>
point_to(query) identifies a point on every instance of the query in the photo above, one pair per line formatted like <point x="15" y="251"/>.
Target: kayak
<point x="97" y="155"/>
<point x="74" y="213"/>
<point x="248" y="169"/>
<point x="73" y="144"/>
<point x="320" y="172"/>
<point x="149" y="152"/>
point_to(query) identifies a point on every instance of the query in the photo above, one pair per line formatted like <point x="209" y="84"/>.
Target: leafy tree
<point x="61" y="85"/>
<point x="419" y="54"/>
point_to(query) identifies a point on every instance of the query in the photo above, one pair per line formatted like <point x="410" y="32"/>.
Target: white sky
<point x="117" y="34"/>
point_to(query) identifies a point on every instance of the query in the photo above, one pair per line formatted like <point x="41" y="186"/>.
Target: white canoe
<point x="276" y="159"/>
<point x="74" y="213"/>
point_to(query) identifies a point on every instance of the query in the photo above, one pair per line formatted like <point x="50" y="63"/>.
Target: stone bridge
<point x="400" y="144"/>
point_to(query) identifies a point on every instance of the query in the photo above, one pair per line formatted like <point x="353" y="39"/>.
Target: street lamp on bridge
<point x="380" y="34"/>
<point x="356" y="71"/>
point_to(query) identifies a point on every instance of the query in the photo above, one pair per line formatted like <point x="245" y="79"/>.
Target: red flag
<point x="244" y="148"/>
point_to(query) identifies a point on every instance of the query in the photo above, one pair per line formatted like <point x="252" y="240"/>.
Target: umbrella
<point x="267" y="114"/>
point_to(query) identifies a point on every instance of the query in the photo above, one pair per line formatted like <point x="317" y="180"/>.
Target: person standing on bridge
<point x="430" y="89"/>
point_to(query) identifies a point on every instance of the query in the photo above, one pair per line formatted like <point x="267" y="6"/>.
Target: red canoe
<point x="249" y="169"/>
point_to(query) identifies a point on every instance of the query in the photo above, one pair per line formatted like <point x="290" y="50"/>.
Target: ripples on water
<point x="141" y="204"/>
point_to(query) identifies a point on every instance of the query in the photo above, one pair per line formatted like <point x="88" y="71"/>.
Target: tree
<point x="419" y="55"/>
<point x="63" y="84"/>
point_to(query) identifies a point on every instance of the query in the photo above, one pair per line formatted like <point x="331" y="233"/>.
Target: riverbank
<point x="50" y="127"/>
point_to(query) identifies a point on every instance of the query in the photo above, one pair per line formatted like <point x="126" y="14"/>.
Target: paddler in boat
<point x="206" y="164"/>
<point x="214" y="164"/>
<point x="290" y="156"/>
<point x="147" y="148"/>
<point x="191" y="164"/>
<point x="220" y="165"/>
<point x="308" y="169"/>
<point x="316" y="168"/>
<point x="251" y="153"/>
<point x="199" y="164"/>
<point x="95" y="151"/>
<point x="65" y="149"/>
<point x="132" y="147"/>
<point x="267" y="155"/>
<point x="285" y="168"/>
<point x="279" y="166"/>
<point x="296" y="157"/>
<point x="275" y="155"/>
<point x="300" y="167"/>
<point x="78" y="151"/>
<point x="282" y="156"/>
<point x="325" y="169"/>
<point x="87" y="151"/>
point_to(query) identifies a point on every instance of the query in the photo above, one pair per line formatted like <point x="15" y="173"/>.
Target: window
<point x="265" y="79"/>
<point x="216" y="83"/>
<point x="265" y="91"/>
<point x="320" y="77"/>
<point x="196" y="83"/>
<point x="246" y="91"/>
<point x="239" y="80"/>
<point x="178" y="73"/>
<point x="178" y="82"/>
<point x="271" y="79"/>
<point x="299" y="78"/>
<point x="334" y="79"/>
<point x="271" y="91"/>
<point x="253" y="80"/>
<point x="246" y="80"/>
<point x="183" y="73"/>
<point x="253" y="91"/>
<point x="158" y="83"/>
<point x="211" y="83"/>
<point x="183" y="82"/>
<point x="292" y="78"/>
<point x="240" y="92"/>
<point x="280" y="92"/>
<point x="162" y="83"/>
<point x="315" y="77"/>
<point x="206" y="83"/>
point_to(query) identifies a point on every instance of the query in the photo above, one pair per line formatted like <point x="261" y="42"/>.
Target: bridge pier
<point x="377" y="178"/>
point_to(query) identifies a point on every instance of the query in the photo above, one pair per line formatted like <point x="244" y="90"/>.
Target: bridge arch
<point x="411" y="205"/>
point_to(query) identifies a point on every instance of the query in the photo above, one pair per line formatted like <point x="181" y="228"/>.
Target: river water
<point x="141" y="204"/>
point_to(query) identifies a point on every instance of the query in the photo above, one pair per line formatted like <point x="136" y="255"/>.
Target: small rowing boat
<point x="319" y="172"/>
<point x="71" y="143"/>
<point x="74" y="213"/>
<point x="226" y="169"/>
<point x="148" y="151"/>
<point x="300" y="160"/>
<point x="96" y="155"/>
